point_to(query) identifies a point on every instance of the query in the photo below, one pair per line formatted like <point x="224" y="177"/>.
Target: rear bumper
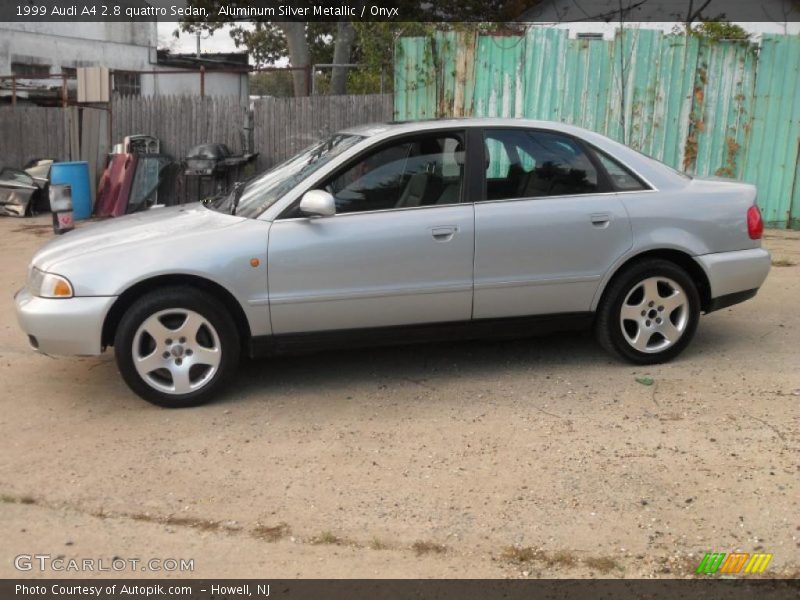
<point x="735" y="274"/>
<point x="729" y="300"/>
<point x="70" y="326"/>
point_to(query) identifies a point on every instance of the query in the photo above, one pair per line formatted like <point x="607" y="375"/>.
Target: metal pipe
<point x="192" y="71"/>
<point x="110" y="115"/>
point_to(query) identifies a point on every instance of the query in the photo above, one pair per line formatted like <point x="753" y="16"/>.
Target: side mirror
<point x="318" y="203"/>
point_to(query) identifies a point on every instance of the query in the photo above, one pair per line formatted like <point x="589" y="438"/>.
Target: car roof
<point x="395" y="127"/>
<point x="656" y="174"/>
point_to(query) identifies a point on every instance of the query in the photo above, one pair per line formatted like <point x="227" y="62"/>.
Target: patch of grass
<point x="604" y="564"/>
<point x="517" y="554"/>
<point x="782" y="262"/>
<point x="563" y="558"/>
<point x="271" y="533"/>
<point x="428" y="548"/>
<point x="326" y="537"/>
<point x="9" y="499"/>
<point x="379" y="544"/>
<point x="192" y="522"/>
<point x="522" y="555"/>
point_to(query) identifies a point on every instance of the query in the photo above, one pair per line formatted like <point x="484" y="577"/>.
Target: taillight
<point x="755" y="224"/>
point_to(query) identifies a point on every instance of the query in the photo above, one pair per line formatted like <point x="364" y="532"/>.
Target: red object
<point x="115" y="186"/>
<point x="755" y="224"/>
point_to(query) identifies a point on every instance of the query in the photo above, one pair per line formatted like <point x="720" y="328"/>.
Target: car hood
<point x="135" y="230"/>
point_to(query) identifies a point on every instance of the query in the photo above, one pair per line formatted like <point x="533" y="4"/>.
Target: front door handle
<point x="600" y="220"/>
<point x="444" y="233"/>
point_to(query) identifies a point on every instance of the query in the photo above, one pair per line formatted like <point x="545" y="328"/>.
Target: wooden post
<point x="64" y="95"/>
<point x="202" y="82"/>
<point x="14" y="91"/>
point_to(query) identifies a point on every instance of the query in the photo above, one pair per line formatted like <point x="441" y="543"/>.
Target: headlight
<point x="48" y="285"/>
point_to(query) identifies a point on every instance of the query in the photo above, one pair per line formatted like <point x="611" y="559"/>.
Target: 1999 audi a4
<point x="405" y="231"/>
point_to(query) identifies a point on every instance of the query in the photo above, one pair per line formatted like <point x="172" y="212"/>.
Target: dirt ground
<point x="532" y="458"/>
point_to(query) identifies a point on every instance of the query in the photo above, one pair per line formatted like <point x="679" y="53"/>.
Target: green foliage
<point x="272" y="83"/>
<point x="719" y="30"/>
<point x="373" y="48"/>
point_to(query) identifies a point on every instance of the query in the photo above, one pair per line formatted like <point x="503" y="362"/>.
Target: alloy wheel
<point x="654" y="314"/>
<point x="176" y="351"/>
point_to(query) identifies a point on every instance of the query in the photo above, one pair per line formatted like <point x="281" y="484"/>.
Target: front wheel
<point x="176" y="347"/>
<point x="649" y="313"/>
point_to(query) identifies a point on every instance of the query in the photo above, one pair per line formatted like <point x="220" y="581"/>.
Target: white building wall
<point x="115" y="45"/>
<point x="122" y="46"/>
<point x="216" y="84"/>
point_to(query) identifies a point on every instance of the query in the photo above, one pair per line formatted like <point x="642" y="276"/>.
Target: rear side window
<point x="621" y="178"/>
<point x="530" y="163"/>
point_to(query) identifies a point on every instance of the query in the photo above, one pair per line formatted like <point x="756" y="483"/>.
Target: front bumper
<point x="67" y="326"/>
<point x="734" y="272"/>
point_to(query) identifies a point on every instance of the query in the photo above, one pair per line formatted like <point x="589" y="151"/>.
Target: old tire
<point x="177" y="347"/>
<point x="649" y="312"/>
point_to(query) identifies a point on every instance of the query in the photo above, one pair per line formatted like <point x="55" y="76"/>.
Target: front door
<point x="547" y="228"/>
<point x="398" y="251"/>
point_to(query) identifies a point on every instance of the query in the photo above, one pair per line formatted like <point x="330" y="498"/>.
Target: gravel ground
<point x="532" y="458"/>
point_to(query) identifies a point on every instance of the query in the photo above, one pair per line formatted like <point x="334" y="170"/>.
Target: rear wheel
<point x="176" y="347"/>
<point x="649" y="313"/>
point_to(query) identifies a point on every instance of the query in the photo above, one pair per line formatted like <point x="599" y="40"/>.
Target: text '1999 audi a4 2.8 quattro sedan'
<point x="406" y="231"/>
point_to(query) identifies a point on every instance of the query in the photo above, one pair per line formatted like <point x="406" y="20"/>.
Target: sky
<point x="219" y="42"/>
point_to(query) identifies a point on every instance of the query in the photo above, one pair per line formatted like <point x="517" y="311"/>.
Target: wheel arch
<point x="678" y="257"/>
<point x="137" y="290"/>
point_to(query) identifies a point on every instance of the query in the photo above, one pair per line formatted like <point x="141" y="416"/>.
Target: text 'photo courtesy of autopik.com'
<point x="370" y="299"/>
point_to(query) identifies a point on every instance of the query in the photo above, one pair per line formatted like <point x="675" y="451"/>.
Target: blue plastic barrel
<point x="76" y="175"/>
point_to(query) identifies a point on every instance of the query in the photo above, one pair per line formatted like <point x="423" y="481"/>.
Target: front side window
<point x="423" y="170"/>
<point x="262" y="191"/>
<point x="529" y="164"/>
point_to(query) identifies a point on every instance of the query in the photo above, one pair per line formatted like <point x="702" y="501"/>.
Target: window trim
<point x="603" y="180"/>
<point x="587" y="146"/>
<point x="597" y="152"/>
<point x="464" y="197"/>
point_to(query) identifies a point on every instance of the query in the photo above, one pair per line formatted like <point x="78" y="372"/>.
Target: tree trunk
<point x="345" y="36"/>
<point x="299" y="55"/>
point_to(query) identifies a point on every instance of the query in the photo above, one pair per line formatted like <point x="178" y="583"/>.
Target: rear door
<point x="399" y="250"/>
<point x="547" y="228"/>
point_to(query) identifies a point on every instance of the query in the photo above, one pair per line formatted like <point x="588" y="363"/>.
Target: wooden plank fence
<point x="284" y="126"/>
<point x="180" y="122"/>
<point x="32" y="132"/>
<point x="280" y="127"/>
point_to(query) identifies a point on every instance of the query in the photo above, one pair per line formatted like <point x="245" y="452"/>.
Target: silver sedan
<point x="402" y="232"/>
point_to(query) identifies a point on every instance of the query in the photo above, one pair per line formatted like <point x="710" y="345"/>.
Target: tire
<point x="649" y="312"/>
<point x="177" y="347"/>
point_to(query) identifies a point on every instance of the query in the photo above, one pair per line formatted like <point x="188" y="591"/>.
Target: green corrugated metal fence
<point x="729" y="109"/>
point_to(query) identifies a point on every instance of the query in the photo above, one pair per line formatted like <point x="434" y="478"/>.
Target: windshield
<point x="263" y="190"/>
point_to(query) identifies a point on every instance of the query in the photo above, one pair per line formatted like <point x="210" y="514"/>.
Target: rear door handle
<point x="444" y="233"/>
<point x="600" y="219"/>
